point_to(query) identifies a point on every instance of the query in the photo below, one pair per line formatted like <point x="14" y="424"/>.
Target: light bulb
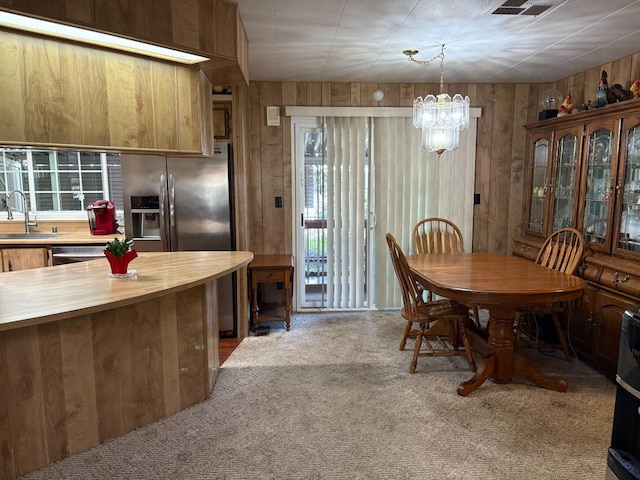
<point x="378" y="95"/>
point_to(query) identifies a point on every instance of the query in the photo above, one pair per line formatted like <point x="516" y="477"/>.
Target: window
<point x="59" y="183"/>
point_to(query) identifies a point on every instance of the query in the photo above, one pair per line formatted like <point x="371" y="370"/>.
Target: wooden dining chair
<point x="436" y="235"/>
<point x="561" y="251"/>
<point x="439" y="235"/>
<point x="441" y="324"/>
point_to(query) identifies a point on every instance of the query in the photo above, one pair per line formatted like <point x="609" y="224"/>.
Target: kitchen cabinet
<point x="583" y="171"/>
<point x="14" y="259"/>
<point x="212" y="28"/>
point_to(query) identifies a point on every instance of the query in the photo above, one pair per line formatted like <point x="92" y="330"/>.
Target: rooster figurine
<point x="635" y="88"/>
<point x="567" y="106"/>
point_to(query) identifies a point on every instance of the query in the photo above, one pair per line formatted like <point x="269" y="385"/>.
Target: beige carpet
<point x="333" y="399"/>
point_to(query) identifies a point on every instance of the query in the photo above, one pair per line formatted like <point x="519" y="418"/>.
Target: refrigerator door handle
<point x="162" y="213"/>
<point x="172" y="215"/>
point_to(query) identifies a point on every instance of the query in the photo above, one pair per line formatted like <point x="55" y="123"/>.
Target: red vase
<point x="119" y="265"/>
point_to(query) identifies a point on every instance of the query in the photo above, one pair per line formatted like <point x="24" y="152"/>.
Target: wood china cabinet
<point x="583" y="171"/>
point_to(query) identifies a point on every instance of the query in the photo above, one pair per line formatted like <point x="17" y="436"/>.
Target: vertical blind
<point x="347" y="184"/>
<point x="411" y="185"/>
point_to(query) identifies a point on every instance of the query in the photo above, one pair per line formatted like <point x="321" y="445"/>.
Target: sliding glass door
<point x="356" y="178"/>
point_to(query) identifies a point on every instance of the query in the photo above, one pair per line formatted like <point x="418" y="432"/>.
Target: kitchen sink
<point x="27" y="236"/>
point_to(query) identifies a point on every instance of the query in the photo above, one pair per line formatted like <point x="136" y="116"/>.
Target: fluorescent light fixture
<point x="44" y="27"/>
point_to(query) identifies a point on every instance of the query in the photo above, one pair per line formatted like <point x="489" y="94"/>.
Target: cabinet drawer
<point x="269" y="275"/>
<point x="521" y="248"/>
<point x="621" y="281"/>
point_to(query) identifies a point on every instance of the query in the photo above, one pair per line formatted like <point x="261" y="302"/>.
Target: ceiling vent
<point x="522" y="7"/>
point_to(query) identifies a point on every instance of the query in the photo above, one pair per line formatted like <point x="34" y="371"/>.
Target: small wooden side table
<point x="271" y="269"/>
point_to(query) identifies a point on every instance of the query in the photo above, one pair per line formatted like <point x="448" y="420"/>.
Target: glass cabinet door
<point x="598" y="198"/>
<point x="629" y="213"/>
<point x="563" y="187"/>
<point x="537" y="195"/>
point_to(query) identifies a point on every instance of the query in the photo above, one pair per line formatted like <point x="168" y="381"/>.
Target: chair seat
<point x="435" y="309"/>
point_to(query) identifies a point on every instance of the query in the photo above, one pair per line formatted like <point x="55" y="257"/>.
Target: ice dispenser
<point x="145" y="217"/>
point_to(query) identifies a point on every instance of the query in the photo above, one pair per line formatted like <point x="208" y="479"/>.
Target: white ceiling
<point x="363" y="40"/>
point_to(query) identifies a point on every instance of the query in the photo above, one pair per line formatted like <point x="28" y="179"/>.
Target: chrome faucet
<point x="27" y="223"/>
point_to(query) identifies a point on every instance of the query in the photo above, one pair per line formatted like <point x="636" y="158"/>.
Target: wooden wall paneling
<point x="271" y="153"/>
<point x="500" y="176"/>
<point x="326" y="94"/>
<point x="355" y="94"/>
<point x="635" y="67"/>
<point x="50" y="353"/>
<point x="621" y="72"/>
<point x="391" y="95"/>
<point x="340" y="94"/>
<point x="171" y="361"/>
<point x="79" y="383"/>
<point x="7" y="460"/>
<point x="575" y="86"/>
<point x="112" y="356"/>
<point x="191" y="345"/>
<point x="314" y="94"/>
<point x="591" y="82"/>
<point x="484" y="99"/>
<point x="25" y="407"/>
<point x="366" y="95"/>
<point x="406" y="95"/>
<point x="518" y="154"/>
<point x="240" y="138"/>
<point x="288" y="98"/>
<point x="254" y="166"/>
<point x="301" y="93"/>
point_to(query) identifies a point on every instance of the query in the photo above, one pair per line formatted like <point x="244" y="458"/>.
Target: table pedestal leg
<point x="500" y="360"/>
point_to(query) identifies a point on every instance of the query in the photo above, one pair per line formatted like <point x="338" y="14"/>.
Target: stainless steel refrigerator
<point x="178" y="203"/>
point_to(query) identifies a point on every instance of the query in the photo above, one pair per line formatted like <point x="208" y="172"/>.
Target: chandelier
<point x="439" y="117"/>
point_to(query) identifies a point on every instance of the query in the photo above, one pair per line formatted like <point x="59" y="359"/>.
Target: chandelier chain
<point x="410" y="54"/>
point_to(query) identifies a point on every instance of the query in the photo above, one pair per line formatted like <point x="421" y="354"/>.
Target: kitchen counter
<point x="87" y="357"/>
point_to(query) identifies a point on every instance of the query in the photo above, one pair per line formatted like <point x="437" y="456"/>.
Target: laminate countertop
<point x="42" y="295"/>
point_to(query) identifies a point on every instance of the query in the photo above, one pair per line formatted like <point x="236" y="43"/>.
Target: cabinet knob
<point x="524" y="248"/>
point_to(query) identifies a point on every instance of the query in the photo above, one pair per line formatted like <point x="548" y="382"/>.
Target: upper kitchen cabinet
<point x="58" y="94"/>
<point x="212" y="28"/>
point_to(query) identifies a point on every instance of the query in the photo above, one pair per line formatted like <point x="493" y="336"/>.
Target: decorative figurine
<point x="635" y="88"/>
<point x="603" y="88"/>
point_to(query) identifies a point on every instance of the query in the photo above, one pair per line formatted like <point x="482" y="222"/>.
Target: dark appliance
<point x="182" y="203"/>
<point x="102" y="218"/>
<point x="623" y="459"/>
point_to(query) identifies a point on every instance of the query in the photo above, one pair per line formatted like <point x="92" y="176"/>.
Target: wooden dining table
<point x="499" y="283"/>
